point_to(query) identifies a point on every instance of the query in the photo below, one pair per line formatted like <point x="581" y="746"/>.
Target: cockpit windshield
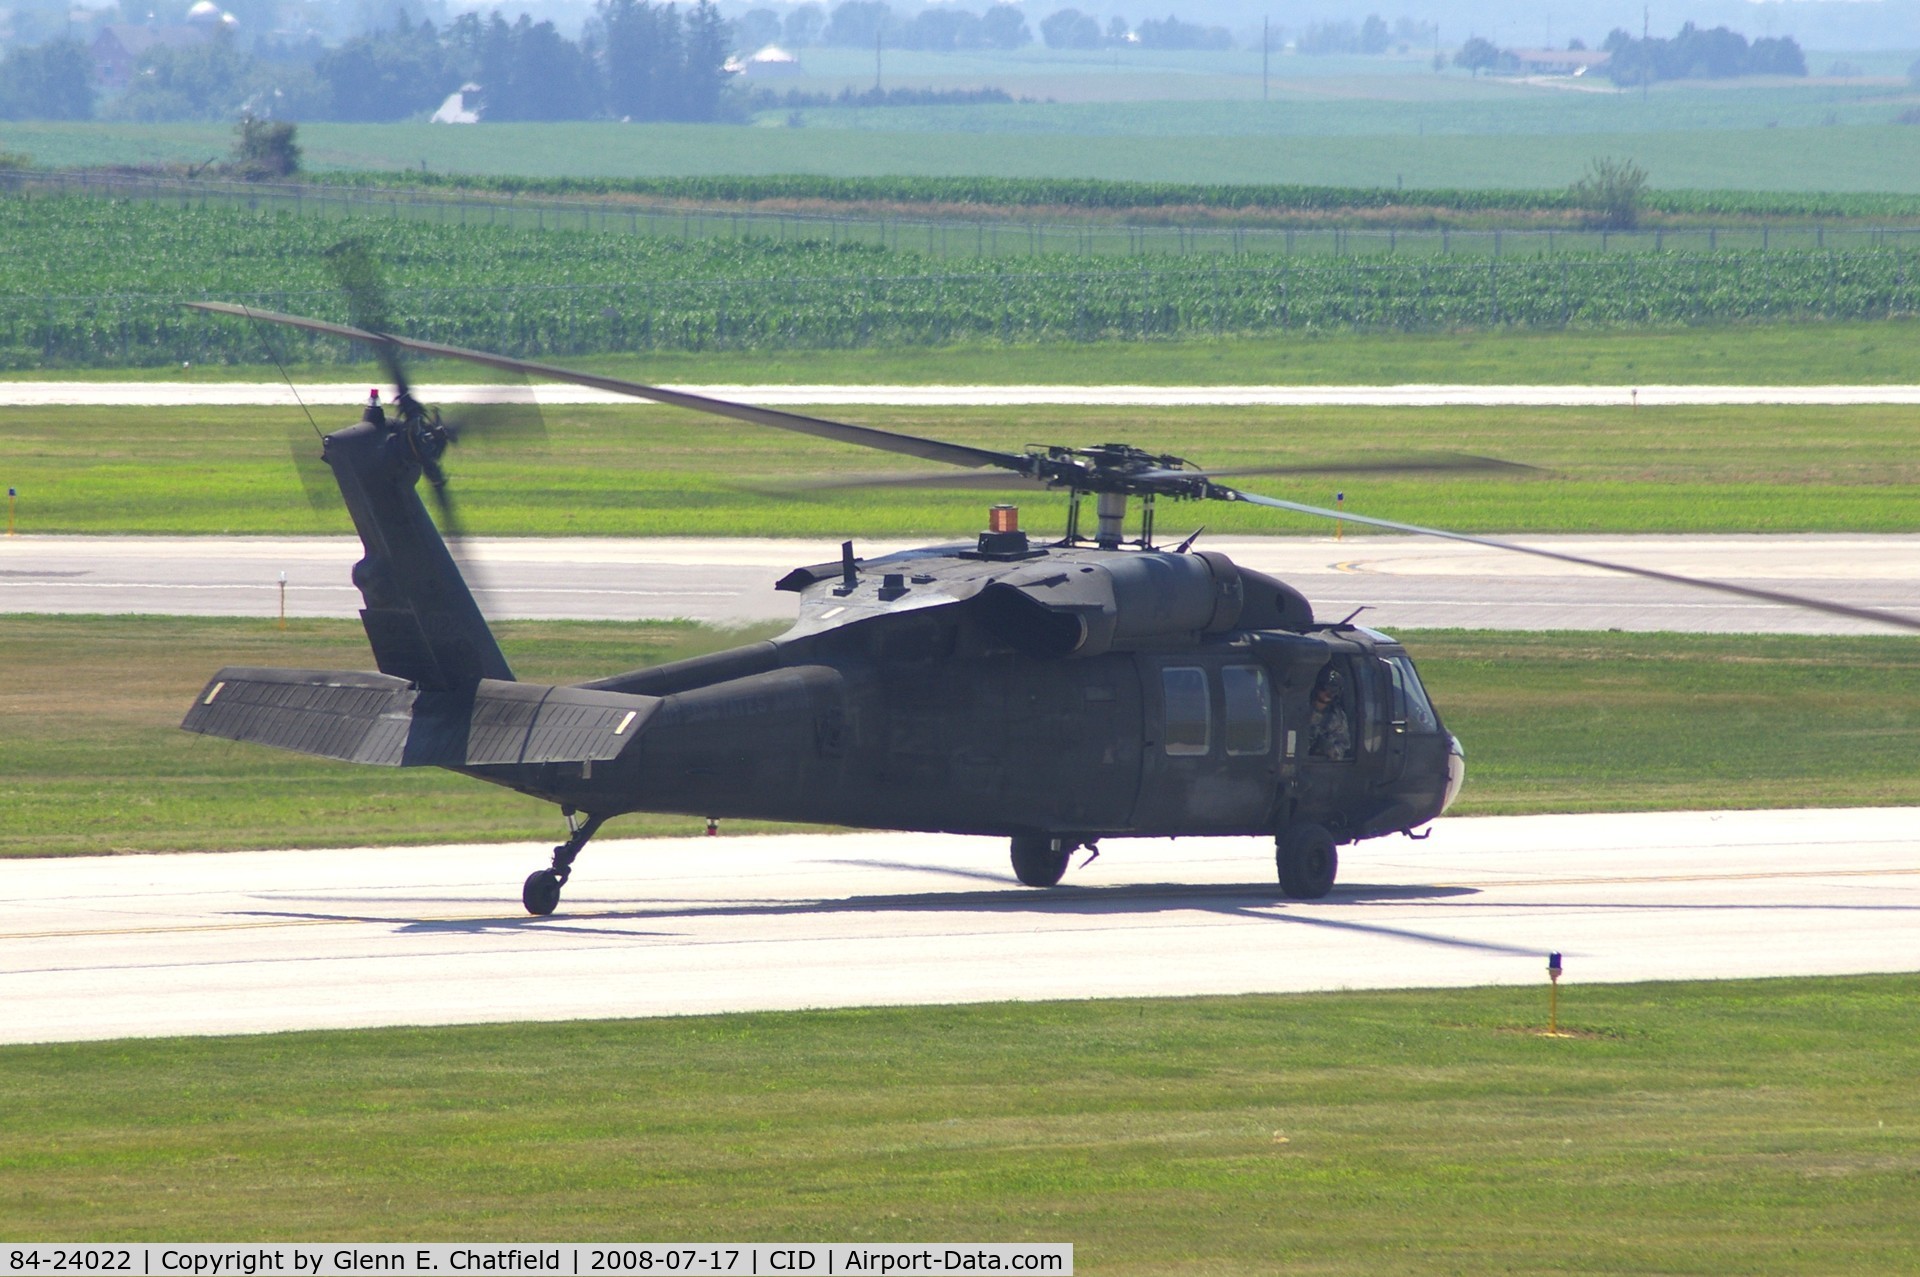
<point x="1410" y="703"/>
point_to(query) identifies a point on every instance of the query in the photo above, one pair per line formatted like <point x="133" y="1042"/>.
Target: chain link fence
<point x="941" y="237"/>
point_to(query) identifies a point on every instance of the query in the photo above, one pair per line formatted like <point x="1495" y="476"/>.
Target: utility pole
<point x="1646" y="49"/>
<point x="1266" y="45"/>
<point x="879" y="33"/>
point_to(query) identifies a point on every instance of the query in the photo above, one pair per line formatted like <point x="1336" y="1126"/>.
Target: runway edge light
<point x="1553" y="999"/>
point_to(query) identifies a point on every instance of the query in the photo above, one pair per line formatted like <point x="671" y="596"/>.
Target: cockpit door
<point x="1387" y="717"/>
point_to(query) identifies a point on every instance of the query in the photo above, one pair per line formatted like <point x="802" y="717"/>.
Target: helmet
<point x="1329" y="681"/>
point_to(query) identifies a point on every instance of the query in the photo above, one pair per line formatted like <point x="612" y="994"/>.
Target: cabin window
<point x="1410" y="703"/>
<point x="1249" y="725"/>
<point x="1189" y="716"/>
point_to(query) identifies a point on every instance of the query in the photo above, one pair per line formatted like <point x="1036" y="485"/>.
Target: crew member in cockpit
<point x="1329" y="731"/>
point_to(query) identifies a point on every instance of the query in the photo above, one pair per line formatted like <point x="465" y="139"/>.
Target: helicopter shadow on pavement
<point x="1254" y="901"/>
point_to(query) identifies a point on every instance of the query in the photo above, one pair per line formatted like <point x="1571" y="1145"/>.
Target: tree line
<point x="1693" y="54"/>
<point x="636" y="60"/>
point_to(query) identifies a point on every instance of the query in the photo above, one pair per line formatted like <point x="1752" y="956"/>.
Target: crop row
<point x="80" y="245"/>
<point x="799" y="311"/>
<point x="1094" y="194"/>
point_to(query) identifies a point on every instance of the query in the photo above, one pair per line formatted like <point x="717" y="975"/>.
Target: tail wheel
<point x="1041" y="862"/>
<point x="541" y="894"/>
<point x="1308" y="862"/>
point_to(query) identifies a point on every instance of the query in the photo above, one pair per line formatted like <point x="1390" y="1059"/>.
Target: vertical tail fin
<point x="420" y="616"/>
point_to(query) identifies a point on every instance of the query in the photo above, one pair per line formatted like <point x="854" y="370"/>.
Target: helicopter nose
<point x="1456" y="770"/>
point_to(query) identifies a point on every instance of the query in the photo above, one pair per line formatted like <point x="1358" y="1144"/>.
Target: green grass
<point x="1736" y="1126"/>
<point x="650" y="471"/>
<point x="92" y="761"/>
<point x="1865" y="353"/>
<point x="1880" y="157"/>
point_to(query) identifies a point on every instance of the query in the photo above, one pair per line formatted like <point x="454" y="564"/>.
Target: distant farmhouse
<point x="769" y="63"/>
<point x="1557" y="61"/>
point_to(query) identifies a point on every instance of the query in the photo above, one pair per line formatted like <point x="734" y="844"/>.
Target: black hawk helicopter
<point x="1052" y="694"/>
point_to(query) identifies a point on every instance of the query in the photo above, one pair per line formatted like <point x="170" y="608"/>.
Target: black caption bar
<point x="531" y="1259"/>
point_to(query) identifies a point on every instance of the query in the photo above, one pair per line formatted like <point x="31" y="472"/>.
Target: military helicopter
<point x="1050" y="693"/>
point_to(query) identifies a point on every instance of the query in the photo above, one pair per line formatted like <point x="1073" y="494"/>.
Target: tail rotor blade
<point x="316" y="476"/>
<point x="358" y="274"/>
<point x="510" y="415"/>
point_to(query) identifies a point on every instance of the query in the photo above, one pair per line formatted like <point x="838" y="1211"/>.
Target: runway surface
<point x="342" y="394"/>
<point x="1404" y="582"/>
<point x="262" y="941"/>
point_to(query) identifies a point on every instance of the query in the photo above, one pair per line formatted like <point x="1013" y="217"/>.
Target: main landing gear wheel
<point x="1308" y="862"/>
<point x="1041" y="862"/>
<point x="541" y="892"/>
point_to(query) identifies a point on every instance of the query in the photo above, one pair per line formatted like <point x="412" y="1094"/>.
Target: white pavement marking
<point x="337" y="394"/>
<point x="1404" y="582"/>
<point x="263" y="941"/>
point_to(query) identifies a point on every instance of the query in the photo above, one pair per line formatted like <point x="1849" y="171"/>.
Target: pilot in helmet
<point x="1330" y="732"/>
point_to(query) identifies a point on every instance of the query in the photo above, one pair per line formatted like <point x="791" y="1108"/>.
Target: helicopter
<point x="1050" y="693"/>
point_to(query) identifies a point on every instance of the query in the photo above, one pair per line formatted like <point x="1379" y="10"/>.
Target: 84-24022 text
<point x="70" y="1261"/>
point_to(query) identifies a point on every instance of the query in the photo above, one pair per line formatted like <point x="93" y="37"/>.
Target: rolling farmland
<point x="99" y="282"/>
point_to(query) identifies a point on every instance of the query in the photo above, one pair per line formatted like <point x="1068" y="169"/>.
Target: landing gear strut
<point x="542" y="890"/>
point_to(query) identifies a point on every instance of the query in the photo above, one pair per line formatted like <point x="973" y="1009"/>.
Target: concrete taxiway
<point x="261" y="941"/>
<point x="1404" y="582"/>
<point x="103" y="394"/>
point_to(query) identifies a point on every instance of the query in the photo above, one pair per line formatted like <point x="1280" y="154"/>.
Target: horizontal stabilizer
<point x="388" y="722"/>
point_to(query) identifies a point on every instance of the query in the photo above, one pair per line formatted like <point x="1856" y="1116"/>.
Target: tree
<point x="642" y="56"/>
<point x="1776" y="57"/>
<point x="660" y="66"/>
<point x="703" y="68"/>
<point x="207" y="81"/>
<point x="529" y="71"/>
<point x="1374" y="36"/>
<point x="1171" y="33"/>
<point x="1002" y="27"/>
<point x="1070" y="29"/>
<point x="857" y="24"/>
<point x="264" y="149"/>
<point x="51" y="82"/>
<point x="388" y="75"/>
<point x="1329" y="37"/>
<point x="942" y="31"/>
<point x="804" y="25"/>
<point x="1610" y="193"/>
<point x="1476" y="55"/>
<point x="756" y="29"/>
<point x="1718" y="53"/>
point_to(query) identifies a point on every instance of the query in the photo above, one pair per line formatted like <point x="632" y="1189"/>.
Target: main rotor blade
<point x="1672" y="578"/>
<point x="973" y="481"/>
<point x="987" y="482"/>
<point x="1444" y="463"/>
<point x="840" y="431"/>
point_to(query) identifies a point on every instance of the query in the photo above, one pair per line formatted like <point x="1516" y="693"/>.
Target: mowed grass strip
<point x="653" y="471"/>
<point x="92" y="760"/>
<point x="1762" y="1126"/>
<point x="1881" y="352"/>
